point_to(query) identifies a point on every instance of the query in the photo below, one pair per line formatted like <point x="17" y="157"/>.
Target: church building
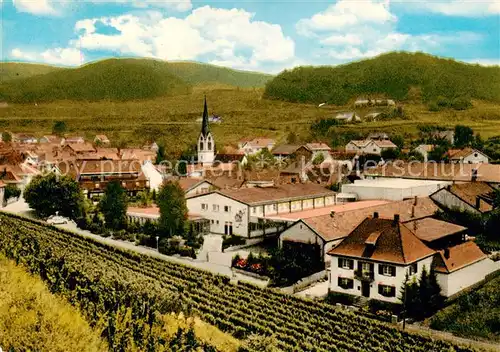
<point x="206" y="143"/>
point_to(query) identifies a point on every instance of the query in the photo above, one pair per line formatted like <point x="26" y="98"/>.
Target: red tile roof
<point x="258" y="195"/>
<point x="430" y="229"/>
<point x="459" y="256"/>
<point x="469" y="192"/>
<point x="394" y="243"/>
<point x="339" y="225"/>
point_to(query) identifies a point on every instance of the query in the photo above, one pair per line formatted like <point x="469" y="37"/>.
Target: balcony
<point x="363" y="275"/>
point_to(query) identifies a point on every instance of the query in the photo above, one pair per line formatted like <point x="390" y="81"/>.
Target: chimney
<point x="478" y="202"/>
<point x="375" y="215"/>
<point x="396" y="219"/>
<point x="447" y="253"/>
<point x="416" y="201"/>
<point x="474" y="175"/>
<point x="413" y="211"/>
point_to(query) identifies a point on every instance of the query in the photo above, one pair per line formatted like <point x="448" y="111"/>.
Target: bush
<point x="342" y="298"/>
<point x="377" y="307"/>
<point x="461" y="104"/>
<point x="433" y="106"/>
<point x="232" y="241"/>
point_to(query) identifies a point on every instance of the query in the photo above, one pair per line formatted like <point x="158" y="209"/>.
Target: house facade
<point x="469" y="156"/>
<point x="472" y="197"/>
<point x="256" y="145"/>
<point x="369" y="146"/>
<point x="244" y="212"/>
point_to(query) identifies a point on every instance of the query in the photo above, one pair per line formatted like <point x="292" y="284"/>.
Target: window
<point x="201" y="145"/>
<point x="215" y="207"/>
<point x="345" y="283"/>
<point x="227" y="208"/>
<point x="96" y="185"/>
<point x="217" y="222"/>
<point x="345" y="263"/>
<point x="365" y="267"/>
<point x="213" y="222"/>
<point x="204" y="190"/>
<point x="387" y="291"/>
<point x="254" y="210"/>
<point x="413" y="269"/>
<point x="387" y="270"/>
<point x="204" y="206"/>
<point x="475" y="155"/>
<point x="275" y="207"/>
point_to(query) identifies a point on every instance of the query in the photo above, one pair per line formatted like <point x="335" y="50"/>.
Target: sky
<point x="266" y="36"/>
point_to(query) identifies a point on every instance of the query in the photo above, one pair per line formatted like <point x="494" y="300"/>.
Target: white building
<point x="319" y="149"/>
<point x="468" y="156"/>
<point x="2" y="192"/>
<point x="154" y="176"/>
<point x="206" y="143"/>
<point x="348" y="117"/>
<point x="374" y="260"/>
<point x="245" y="212"/>
<point x="369" y="146"/>
<point x="195" y="186"/>
<point x="255" y="145"/>
<point x="394" y="189"/>
<point x="424" y="150"/>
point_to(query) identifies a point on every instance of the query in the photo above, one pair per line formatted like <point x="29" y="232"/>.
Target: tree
<point x="48" y="194"/>
<point x="113" y="205"/>
<point x="390" y="154"/>
<point x="421" y="298"/>
<point x="292" y="138"/>
<point x="11" y="191"/>
<point x="6" y="137"/>
<point x="173" y="209"/>
<point x="398" y="140"/>
<point x="318" y="159"/>
<point x="59" y="128"/>
<point x="464" y="136"/>
<point x="145" y="198"/>
<point x="160" y="154"/>
<point x="438" y="153"/>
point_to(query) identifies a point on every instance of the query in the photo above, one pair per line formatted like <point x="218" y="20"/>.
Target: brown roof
<point x="285" y="149"/>
<point x="394" y="242"/>
<point x="10" y="173"/>
<point x="2" y="184"/>
<point x="81" y="147"/>
<point x="259" y="142"/>
<point x="384" y="143"/>
<point x="438" y="171"/>
<point x="339" y="225"/>
<point x="459" y="256"/>
<point x="317" y="146"/>
<point x="225" y="182"/>
<point x="80" y="167"/>
<point x="469" y="192"/>
<point x="257" y="195"/>
<point x="189" y="182"/>
<point x="228" y="158"/>
<point x="429" y="229"/>
<point x="458" y="154"/>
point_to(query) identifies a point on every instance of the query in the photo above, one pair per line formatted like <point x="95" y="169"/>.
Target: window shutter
<point x="393" y="270"/>
<point x="393" y="292"/>
<point x="380" y="290"/>
<point x="351" y="284"/>
<point x="351" y="264"/>
<point x="372" y="267"/>
<point x="340" y="262"/>
<point x="381" y="269"/>
<point x="339" y="282"/>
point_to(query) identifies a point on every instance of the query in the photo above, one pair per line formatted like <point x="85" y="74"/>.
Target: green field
<point x="474" y="315"/>
<point x="245" y="114"/>
<point x="17" y="70"/>
<point x="33" y="319"/>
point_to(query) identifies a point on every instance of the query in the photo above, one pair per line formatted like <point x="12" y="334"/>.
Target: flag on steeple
<point x="204" y="124"/>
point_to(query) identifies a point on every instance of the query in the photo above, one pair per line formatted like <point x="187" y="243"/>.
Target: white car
<point x="57" y="220"/>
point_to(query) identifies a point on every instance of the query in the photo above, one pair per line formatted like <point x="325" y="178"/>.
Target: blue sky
<point x="252" y="35"/>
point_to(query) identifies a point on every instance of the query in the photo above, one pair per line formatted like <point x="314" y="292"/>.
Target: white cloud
<point x="230" y="37"/>
<point x="57" y="56"/>
<point x="350" y="30"/>
<point x="345" y="14"/>
<point x="484" y="62"/>
<point x="461" y="8"/>
<point x="176" y="5"/>
<point x="37" y="7"/>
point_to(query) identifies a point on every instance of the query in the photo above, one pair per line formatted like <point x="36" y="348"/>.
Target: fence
<point x="304" y="282"/>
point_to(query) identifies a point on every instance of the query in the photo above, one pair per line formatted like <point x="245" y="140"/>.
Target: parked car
<point x="57" y="220"/>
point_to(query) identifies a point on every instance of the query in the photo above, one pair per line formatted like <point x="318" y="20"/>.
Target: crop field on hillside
<point x="102" y="278"/>
<point x="243" y="111"/>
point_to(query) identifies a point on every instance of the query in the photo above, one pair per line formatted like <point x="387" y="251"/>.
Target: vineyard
<point x="131" y="291"/>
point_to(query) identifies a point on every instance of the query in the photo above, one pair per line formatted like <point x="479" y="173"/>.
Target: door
<point x="365" y="289"/>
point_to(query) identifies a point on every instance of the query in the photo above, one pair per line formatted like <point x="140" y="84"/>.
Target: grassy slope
<point x="244" y="113"/>
<point x="120" y="79"/>
<point x="196" y="73"/>
<point x="31" y="318"/>
<point x="18" y="70"/>
<point x="474" y="315"/>
<point x="112" y="79"/>
<point x="399" y="76"/>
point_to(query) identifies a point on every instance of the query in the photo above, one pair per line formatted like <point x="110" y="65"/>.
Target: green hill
<point x="197" y="73"/>
<point x="401" y="76"/>
<point x="117" y="79"/>
<point x="114" y="79"/>
<point x="15" y="70"/>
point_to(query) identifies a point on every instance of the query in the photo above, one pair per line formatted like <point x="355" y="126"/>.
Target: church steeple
<point x="204" y="124"/>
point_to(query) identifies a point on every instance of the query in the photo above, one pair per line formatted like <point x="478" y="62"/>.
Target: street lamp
<point x="157" y="238"/>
